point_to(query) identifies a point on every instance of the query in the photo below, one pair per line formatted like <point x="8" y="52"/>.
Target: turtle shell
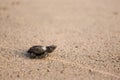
<point x="40" y="51"/>
<point x="37" y="50"/>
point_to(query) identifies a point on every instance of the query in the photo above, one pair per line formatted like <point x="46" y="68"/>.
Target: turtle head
<point x="51" y="48"/>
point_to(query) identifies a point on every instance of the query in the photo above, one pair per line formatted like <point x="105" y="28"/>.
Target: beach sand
<point x="86" y="32"/>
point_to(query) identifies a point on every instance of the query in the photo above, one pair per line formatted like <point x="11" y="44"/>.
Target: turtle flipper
<point x="43" y="55"/>
<point x="32" y="55"/>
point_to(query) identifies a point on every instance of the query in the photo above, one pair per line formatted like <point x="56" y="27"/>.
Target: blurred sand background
<point x="86" y="32"/>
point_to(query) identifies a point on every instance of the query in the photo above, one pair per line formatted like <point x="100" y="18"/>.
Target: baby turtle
<point x="39" y="51"/>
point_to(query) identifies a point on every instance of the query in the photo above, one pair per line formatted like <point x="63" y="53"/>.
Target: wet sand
<point x="86" y="32"/>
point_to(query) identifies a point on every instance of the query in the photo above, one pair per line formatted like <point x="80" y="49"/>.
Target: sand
<point x="86" y="32"/>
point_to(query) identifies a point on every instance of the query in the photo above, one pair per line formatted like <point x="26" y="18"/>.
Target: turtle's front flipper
<point x="43" y="55"/>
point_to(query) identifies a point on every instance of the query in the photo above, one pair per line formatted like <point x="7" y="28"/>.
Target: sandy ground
<point x="86" y="32"/>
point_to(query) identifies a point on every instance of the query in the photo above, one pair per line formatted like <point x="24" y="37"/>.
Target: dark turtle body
<point x="39" y="51"/>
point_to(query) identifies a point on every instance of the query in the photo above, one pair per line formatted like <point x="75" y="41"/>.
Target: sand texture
<point x="86" y="32"/>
